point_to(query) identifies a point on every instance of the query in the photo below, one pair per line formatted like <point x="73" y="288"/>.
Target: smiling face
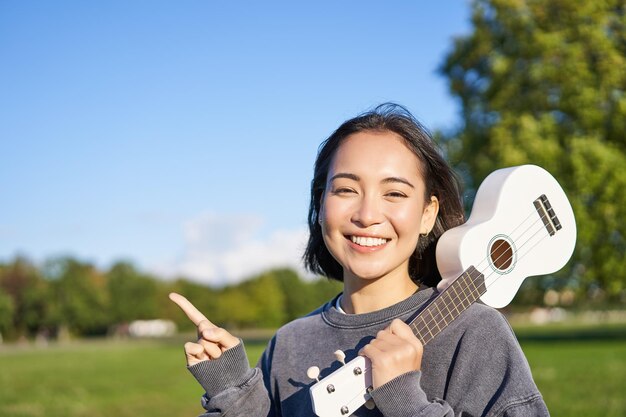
<point x="373" y="207"/>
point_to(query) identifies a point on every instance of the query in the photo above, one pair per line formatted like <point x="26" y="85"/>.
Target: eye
<point x="395" y="194"/>
<point x="343" y="190"/>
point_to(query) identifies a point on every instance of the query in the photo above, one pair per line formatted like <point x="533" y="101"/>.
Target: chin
<point x="375" y="270"/>
<point x="369" y="274"/>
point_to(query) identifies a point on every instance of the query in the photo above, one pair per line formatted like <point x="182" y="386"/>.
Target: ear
<point x="429" y="215"/>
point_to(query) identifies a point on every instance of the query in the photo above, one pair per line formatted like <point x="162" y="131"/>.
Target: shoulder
<point x="482" y="320"/>
<point x="489" y="328"/>
<point x="485" y="336"/>
<point x="478" y="334"/>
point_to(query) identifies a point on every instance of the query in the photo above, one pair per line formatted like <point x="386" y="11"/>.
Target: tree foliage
<point x="66" y="293"/>
<point x="81" y="293"/>
<point x="28" y="293"/>
<point x="543" y="82"/>
<point x="6" y="313"/>
<point x="132" y="295"/>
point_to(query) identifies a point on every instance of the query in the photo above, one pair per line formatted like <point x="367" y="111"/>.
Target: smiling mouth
<point x="368" y="241"/>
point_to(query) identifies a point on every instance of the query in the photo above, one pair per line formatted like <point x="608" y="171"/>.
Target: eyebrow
<point x="345" y="175"/>
<point x="389" y="180"/>
<point x="397" y="179"/>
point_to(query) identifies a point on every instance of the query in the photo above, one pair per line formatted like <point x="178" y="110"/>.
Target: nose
<point x="368" y="212"/>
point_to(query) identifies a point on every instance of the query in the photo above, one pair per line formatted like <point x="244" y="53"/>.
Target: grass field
<point x="580" y="371"/>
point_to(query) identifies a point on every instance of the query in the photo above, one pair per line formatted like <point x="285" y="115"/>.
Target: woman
<point x="380" y="198"/>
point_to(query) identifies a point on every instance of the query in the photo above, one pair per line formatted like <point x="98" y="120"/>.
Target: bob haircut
<point x="439" y="178"/>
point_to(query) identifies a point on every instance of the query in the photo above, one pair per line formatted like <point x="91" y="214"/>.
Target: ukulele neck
<point x="448" y="305"/>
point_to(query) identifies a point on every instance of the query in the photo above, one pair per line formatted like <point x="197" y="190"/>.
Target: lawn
<point x="580" y="370"/>
<point x="580" y="378"/>
<point x="582" y="375"/>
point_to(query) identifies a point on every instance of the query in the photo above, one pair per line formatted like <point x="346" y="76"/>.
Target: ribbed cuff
<point x="401" y="396"/>
<point x="229" y="370"/>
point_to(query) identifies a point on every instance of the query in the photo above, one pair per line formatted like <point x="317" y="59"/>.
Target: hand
<point x="393" y="352"/>
<point x="212" y="340"/>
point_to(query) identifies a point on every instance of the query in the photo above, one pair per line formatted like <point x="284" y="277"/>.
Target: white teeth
<point x="368" y="241"/>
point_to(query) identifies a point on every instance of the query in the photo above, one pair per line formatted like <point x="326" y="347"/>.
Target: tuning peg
<point x="314" y="373"/>
<point x="340" y="356"/>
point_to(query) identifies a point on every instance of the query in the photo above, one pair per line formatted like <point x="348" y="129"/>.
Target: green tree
<point x="132" y="295"/>
<point x="269" y="299"/>
<point x="235" y="308"/>
<point x="29" y="292"/>
<point x="6" y="314"/>
<point x="81" y="294"/>
<point x="256" y="302"/>
<point x="543" y="82"/>
<point x="296" y="293"/>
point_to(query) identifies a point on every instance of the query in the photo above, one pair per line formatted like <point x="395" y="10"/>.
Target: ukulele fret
<point x="433" y="318"/>
<point x="455" y="299"/>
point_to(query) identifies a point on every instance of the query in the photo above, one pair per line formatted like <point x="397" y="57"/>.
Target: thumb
<point x="195" y="353"/>
<point x="403" y="330"/>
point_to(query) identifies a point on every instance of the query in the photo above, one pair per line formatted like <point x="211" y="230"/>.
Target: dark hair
<point x="440" y="181"/>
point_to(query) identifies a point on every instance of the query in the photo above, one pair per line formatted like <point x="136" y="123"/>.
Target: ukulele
<point x="521" y="225"/>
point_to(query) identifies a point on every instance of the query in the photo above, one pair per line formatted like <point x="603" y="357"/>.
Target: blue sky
<point x="181" y="135"/>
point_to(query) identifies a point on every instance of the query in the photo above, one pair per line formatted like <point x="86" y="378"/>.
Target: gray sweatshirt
<point x="474" y="367"/>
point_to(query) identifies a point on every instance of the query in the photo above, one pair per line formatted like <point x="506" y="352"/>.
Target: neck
<point x="365" y="296"/>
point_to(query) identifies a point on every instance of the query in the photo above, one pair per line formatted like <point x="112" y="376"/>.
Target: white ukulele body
<point x="504" y="215"/>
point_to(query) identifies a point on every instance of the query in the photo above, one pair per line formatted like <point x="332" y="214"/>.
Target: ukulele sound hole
<point x="501" y="254"/>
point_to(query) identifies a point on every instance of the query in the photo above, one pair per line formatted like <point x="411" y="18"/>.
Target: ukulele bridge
<point x="547" y="214"/>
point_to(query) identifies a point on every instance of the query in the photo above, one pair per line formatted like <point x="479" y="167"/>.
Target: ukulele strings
<point x="515" y="240"/>
<point x="515" y="249"/>
<point x="486" y="258"/>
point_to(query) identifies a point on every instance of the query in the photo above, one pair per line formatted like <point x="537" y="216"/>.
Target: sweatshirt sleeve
<point x="403" y="397"/>
<point x="488" y="375"/>
<point x="232" y="387"/>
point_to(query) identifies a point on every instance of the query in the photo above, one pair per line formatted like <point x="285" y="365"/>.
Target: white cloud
<point x="223" y="249"/>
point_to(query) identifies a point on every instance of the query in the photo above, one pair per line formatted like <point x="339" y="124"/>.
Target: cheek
<point x="333" y="211"/>
<point x="328" y="221"/>
<point x="407" y="220"/>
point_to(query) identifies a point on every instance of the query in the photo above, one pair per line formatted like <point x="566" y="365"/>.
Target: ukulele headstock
<point x="345" y="390"/>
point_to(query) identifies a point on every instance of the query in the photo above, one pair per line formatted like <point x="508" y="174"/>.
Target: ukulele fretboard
<point x="448" y="305"/>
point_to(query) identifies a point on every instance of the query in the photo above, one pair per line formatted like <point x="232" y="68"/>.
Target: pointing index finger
<point x="189" y="309"/>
